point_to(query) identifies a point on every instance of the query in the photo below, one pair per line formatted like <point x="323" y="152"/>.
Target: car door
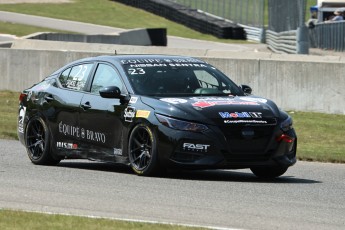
<point x="100" y="118"/>
<point x="65" y="104"/>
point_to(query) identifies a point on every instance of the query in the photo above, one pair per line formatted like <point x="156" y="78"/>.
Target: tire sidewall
<point x="153" y="165"/>
<point x="44" y="158"/>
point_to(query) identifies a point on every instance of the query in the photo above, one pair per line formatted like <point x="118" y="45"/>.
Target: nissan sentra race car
<point x="154" y="112"/>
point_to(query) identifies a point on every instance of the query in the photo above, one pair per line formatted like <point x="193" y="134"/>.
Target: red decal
<point x="205" y="104"/>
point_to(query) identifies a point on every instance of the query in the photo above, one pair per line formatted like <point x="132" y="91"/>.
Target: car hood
<point x="216" y="110"/>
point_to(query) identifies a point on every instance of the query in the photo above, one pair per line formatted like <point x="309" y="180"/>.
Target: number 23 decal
<point x="136" y="71"/>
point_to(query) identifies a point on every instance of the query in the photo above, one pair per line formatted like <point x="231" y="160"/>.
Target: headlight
<point x="181" y="125"/>
<point x="286" y="125"/>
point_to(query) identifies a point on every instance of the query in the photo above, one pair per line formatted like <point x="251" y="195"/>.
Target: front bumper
<point x="215" y="148"/>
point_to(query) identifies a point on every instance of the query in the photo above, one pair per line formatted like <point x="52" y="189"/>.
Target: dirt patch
<point x="34" y="1"/>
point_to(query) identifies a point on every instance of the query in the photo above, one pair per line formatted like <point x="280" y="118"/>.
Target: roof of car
<point x="136" y="59"/>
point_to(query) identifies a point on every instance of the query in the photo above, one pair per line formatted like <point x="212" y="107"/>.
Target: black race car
<point x="154" y="112"/>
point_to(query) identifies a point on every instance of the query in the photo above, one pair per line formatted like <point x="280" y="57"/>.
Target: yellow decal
<point x="143" y="113"/>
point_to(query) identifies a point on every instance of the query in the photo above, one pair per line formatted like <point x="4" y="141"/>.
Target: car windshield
<point x="178" y="79"/>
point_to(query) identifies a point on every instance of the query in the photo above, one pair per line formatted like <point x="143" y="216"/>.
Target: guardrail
<point x="254" y="33"/>
<point x="283" y="42"/>
<point x="328" y="36"/>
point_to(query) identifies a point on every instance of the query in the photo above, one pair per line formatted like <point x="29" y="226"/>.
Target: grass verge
<point x="109" y="13"/>
<point x="27" y="220"/>
<point x="22" y="30"/>
<point x="320" y="136"/>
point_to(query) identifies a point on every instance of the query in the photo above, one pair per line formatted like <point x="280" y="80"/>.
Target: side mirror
<point x="246" y="89"/>
<point x="110" y="92"/>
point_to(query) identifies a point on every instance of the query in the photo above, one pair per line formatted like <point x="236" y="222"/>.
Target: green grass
<point x="12" y="220"/>
<point x="8" y="114"/>
<point x="320" y="136"/>
<point x="109" y="13"/>
<point x="22" y="30"/>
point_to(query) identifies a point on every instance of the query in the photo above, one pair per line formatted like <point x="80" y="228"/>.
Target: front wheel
<point x="37" y="141"/>
<point x="142" y="151"/>
<point x="269" y="172"/>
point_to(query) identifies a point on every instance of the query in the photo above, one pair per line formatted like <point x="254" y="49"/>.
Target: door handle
<point x="48" y="97"/>
<point x="86" y="105"/>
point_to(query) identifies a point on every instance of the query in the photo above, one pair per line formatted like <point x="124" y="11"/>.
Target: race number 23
<point x="136" y="71"/>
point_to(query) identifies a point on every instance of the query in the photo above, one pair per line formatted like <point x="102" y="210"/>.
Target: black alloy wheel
<point x="37" y="142"/>
<point x="142" y="151"/>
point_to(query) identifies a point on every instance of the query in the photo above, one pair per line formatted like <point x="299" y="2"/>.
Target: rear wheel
<point x="269" y="172"/>
<point x="38" y="143"/>
<point x="142" y="151"/>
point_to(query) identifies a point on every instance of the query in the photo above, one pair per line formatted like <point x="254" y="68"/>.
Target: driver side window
<point x="106" y="76"/>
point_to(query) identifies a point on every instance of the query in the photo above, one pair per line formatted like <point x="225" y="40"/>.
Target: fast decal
<point x="245" y="122"/>
<point x="143" y="113"/>
<point x="253" y="99"/>
<point x="227" y="115"/>
<point x="75" y="131"/>
<point x="21" y="118"/>
<point x="205" y="104"/>
<point x="133" y="100"/>
<point x="65" y="145"/>
<point x="129" y="113"/>
<point x="195" y="147"/>
<point x="117" y="152"/>
<point x="174" y="101"/>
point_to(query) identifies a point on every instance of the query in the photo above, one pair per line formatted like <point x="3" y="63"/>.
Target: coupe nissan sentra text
<point x="154" y="112"/>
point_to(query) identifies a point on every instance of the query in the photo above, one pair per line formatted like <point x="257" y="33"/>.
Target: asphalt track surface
<point x="308" y="196"/>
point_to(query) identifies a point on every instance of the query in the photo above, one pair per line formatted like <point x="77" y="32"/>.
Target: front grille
<point x="251" y="140"/>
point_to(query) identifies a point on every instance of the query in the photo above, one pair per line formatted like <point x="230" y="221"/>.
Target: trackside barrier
<point x="294" y="82"/>
<point x="328" y="36"/>
<point x="283" y="42"/>
<point x="254" y="33"/>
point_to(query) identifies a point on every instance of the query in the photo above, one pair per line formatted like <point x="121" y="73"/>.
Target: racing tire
<point x="269" y="172"/>
<point x="142" y="151"/>
<point x="37" y="140"/>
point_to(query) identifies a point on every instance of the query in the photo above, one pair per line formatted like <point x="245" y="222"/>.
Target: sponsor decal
<point x="22" y="111"/>
<point x="129" y="113"/>
<point x="160" y="61"/>
<point x="143" y="113"/>
<point x="230" y="98"/>
<point x="195" y="147"/>
<point x="259" y="100"/>
<point x="205" y="104"/>
<point x="174" y="101"/>
<point x="117" y="152"/>
<point x="245" y="122"/>
<point x="133" y="100"/>
<point x="226" y="115"/>
<point x="65" y="145"/>
<point x="75" y="131"/>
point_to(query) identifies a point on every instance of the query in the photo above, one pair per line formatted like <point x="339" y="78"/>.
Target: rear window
<point x="75" y="77"/>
